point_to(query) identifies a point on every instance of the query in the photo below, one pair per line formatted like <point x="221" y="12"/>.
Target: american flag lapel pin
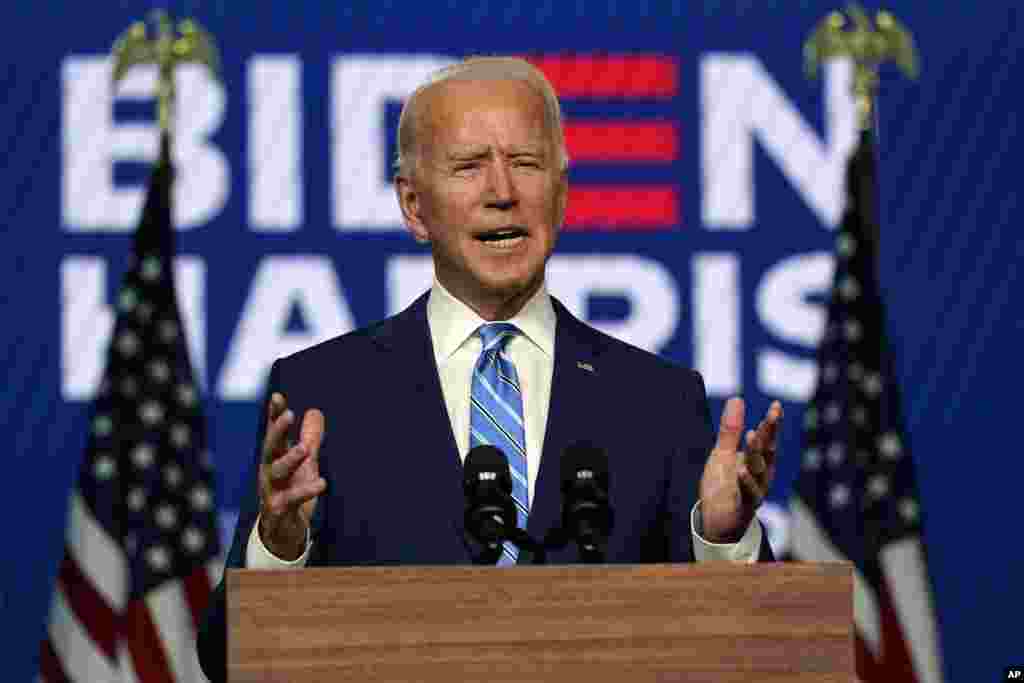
<point x="585" y="366"/>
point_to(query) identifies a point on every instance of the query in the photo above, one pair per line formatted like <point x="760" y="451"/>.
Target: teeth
<point x="505" y="242"/>
<point x="500" y="234"/>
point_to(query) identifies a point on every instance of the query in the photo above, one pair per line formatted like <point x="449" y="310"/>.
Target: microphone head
<point x="487" y="485"/>
<point x="586" y="513"/>
<point x="486" y="468"/>
<point x="584" y="464"/>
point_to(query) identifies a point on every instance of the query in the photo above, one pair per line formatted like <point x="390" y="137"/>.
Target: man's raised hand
<point x="734" y="481"/>
<point x="289" y="479"/>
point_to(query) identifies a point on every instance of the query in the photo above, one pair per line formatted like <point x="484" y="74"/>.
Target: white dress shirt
<point x="453" y="327"/>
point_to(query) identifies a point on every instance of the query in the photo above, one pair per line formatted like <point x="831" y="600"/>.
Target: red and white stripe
<point x="897" y="636"/>
<point x="96" y="635"/>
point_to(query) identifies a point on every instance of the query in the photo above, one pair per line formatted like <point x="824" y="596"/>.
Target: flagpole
<point x="856" y="497"/>
<point x="141" y="541"/>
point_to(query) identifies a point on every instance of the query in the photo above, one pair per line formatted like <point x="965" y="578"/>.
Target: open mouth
<point x="503" y="238"/>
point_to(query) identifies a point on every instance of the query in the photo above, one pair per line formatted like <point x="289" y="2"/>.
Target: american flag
<point x="856" y="498"/>
<point x="141" y="541"/>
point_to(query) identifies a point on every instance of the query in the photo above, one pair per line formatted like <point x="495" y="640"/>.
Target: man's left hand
<point x="735" y="482"/>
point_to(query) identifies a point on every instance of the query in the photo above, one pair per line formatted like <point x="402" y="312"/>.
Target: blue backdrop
<point x="707" y="176"/>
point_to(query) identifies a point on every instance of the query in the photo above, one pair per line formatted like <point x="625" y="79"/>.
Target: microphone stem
<point x="526" y="542"/>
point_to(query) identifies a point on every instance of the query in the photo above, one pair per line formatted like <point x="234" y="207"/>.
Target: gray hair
<point x="480" y="69"/>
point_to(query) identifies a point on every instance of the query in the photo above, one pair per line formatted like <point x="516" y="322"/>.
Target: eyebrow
<point x="483" y="152"/>
<point x="527" y="152"/>
<point x="468" y="153"/>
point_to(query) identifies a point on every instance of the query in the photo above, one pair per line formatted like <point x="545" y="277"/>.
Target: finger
<point x="282" y="468"/>
<point x="274" y="442"/>
<point x="752" y="457"/>
<point x="752" y="489"/>
<point x="296" y="495"/>
<point x="311" y="436"/>
<point x="756" y="463"/>
<point x="275" y="406"/>
<point x="755" y="438"/>
<point x="766" y="439"/>
<point x="730" y="428"/>
<point x="770" y="426"/>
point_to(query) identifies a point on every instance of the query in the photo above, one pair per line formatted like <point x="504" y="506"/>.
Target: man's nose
<point x="502" y="189"/>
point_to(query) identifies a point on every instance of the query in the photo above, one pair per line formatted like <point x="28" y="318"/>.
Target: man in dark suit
<point x="487" y="356"/>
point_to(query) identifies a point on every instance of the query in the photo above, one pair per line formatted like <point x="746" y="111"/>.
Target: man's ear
<point x="562" y="197"/>
<point x="409" y="203"/>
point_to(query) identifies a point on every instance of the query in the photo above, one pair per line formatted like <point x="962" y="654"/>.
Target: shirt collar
<point x="452" y="322"/>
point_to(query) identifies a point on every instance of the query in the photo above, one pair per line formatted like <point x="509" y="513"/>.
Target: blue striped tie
<point x="496" y="417"/>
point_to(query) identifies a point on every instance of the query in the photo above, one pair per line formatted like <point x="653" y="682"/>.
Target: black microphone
<point x="587" y="516"/>
<point x="490" y="515"/>
<point x="490" y="509"/>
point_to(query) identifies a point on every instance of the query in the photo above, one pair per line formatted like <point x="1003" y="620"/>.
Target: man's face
<point x="488" y="191"/>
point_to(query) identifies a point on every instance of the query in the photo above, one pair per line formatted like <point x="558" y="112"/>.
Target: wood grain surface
<point x="706" y="622"/>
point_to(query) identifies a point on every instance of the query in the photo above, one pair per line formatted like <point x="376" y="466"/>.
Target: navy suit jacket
<point x="394" y="476"/>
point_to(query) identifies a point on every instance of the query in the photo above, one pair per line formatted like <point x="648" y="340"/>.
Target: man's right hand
<point x="289" y="479"/>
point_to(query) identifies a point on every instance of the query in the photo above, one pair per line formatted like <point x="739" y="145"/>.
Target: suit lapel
<point x="575" y="380"/>
<point x="407" y="337"/>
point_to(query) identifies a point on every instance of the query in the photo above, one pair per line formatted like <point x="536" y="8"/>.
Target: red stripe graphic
<point x="643" y="207"/>
<point x="622" y="141"/>
<point x="611" y="77"/>
<point x="89" y="607"/>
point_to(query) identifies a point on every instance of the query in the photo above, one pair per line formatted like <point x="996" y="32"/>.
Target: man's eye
<point x="528" y="163"/>
<point x="468" y="166"/>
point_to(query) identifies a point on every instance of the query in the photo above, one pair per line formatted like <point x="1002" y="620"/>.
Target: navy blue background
<point x="950" y="256"/>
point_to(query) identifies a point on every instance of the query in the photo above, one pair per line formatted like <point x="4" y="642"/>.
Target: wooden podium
<point x="618" y="623"/>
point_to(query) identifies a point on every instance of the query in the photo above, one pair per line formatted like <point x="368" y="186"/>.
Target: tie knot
<point x="496" y="335"/>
